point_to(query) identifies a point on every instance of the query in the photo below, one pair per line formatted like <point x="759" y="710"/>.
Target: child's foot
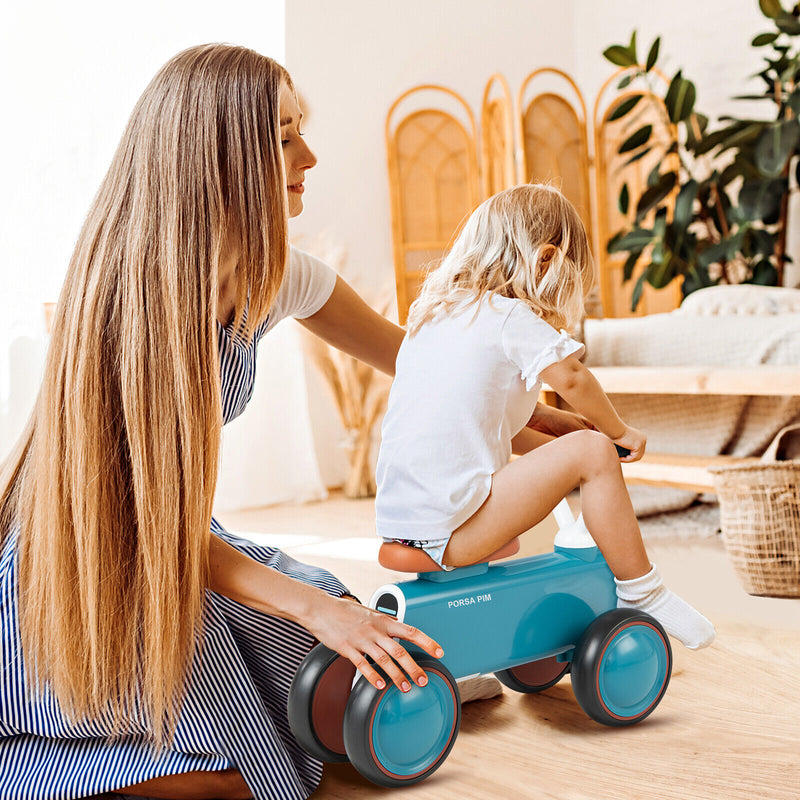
<point x="647" y="593"/>
<point x="481" y="687"/>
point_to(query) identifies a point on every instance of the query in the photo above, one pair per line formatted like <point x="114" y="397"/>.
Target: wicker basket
<point x="760" y="516"/>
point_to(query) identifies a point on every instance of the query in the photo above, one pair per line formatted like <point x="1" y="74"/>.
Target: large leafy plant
<point x="717" y="210"/>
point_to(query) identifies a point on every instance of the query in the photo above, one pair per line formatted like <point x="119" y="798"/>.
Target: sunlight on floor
<point x="356" y="549"/>
<point x="280" y="540"/>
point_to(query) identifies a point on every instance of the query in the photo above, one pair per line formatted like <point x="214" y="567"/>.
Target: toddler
<point x="485" y="331"/>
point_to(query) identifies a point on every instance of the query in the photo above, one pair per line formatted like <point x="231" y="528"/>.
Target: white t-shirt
<point x="306" y="287"/>
<point x="465" y="385"/>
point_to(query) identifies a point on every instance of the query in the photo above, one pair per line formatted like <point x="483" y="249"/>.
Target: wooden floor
<point x="728" y="727"/>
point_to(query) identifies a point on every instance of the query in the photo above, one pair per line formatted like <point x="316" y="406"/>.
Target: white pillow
<point x="744" y="298"/>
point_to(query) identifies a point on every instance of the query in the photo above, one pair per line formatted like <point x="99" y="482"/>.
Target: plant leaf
<point x="702" y="121"/>
<point x="761" y="200"/>
<point x="655" y="194"/>
<point x="637" y="291"/>
<point x="640" y="154"/>
<point x="787" y="23"/>
<point x="789" y="75"/>
<point x="680" y="98"/>
<point x="660" y="226"/>
<point x="661" y="272"/>
<point x="626" y="80"/>
<point x="634" y="240"/>
<point x="624" y="199"/>
<point x="760" y="242"/>
<point x="764" y="273"/>
<point x="775" y="146"/>
<point x="632" y="47"/>
<point x="637" y="139"/>
<point x="794" y="102"/>
<point x="695" y="278"/>
<point x="624" y="107"/>
<point x="629" y="265"/>
<point x="610" y="244"/>
<point x="652" y="56"/>
<point x="619" y="55"/>
<point x="684" y="204"/>
<point x="696" y="126"/>
<point x="763" y="39"/>
<point x="713" y="254"/>
<point x="746" y="133"/>
<point x="771" y="8"/>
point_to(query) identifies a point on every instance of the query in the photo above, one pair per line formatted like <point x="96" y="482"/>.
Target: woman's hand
<point x="633" y="440"/>
<point x="356" y="632"/>
<point x="360" y="634"/>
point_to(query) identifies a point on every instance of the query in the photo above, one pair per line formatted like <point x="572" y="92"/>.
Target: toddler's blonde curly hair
<point x="528" y="243"/>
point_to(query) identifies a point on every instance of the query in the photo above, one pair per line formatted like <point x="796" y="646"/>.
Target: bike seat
<point x="405" y="558"/>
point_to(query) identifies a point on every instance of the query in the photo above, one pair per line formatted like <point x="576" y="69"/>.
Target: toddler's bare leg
<point x="225" y="784"/>
<point x="526" y="490"/>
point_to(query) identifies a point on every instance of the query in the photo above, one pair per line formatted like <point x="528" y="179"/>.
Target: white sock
<point x="647" y="593"/>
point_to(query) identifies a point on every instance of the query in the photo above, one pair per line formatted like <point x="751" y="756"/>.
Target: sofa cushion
<point x="742" y="299"/>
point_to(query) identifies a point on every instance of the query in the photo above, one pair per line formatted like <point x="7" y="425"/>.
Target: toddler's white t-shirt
<point x="466" y="384"/>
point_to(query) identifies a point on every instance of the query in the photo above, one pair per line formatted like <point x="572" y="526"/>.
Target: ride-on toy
<point x="530" y="621"/>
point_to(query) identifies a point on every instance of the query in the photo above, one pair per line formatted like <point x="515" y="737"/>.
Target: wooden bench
<point x="690" y="472"/>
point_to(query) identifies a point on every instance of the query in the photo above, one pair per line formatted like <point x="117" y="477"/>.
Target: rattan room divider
<point x="435" y="178"/>
<point x="431" y="141"/>
<point x="498" y="167"/>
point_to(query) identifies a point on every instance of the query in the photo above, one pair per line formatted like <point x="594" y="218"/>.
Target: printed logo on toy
<point x="469" y="601"/>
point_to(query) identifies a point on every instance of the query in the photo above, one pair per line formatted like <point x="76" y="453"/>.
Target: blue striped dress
<point x="234" y="714"/>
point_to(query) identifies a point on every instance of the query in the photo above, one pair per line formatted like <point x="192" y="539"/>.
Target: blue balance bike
<point x="529" y="620"/>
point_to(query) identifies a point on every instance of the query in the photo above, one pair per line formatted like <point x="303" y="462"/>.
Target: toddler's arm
<point x="575" y="383"/>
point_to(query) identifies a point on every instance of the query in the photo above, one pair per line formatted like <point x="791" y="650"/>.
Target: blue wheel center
<point x="410" y="731"/>
<point x="632" y="671"/>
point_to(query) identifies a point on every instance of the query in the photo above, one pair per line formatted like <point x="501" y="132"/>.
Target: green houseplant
<point x="720" y="215"/>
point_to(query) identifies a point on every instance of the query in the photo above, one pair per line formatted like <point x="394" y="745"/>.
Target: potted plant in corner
<point x="720" y="215"/>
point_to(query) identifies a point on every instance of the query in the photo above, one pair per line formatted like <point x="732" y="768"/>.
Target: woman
<point x="141" y="654"/>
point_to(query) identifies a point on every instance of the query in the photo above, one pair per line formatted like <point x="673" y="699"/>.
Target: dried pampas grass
<point x="359" y="391"/>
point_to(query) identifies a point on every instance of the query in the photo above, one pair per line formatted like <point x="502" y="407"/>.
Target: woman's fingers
<point x="415" y="635"/>
<point x="394" y="661"/>
<point x="386" y="657"/>
<point x="398" y="664"/>
<point x="366" y="669"/>
<point x="391" y="656"/>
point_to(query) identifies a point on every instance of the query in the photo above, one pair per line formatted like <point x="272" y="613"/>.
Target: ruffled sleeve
<point x="532" y="345"/>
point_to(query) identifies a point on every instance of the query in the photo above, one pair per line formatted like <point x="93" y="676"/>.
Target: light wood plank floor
<point x="728" y="728"/>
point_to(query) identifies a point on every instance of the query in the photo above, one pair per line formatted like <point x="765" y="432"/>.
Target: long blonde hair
<point x="527" y="243"/>
<point x="111" y="485"/>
